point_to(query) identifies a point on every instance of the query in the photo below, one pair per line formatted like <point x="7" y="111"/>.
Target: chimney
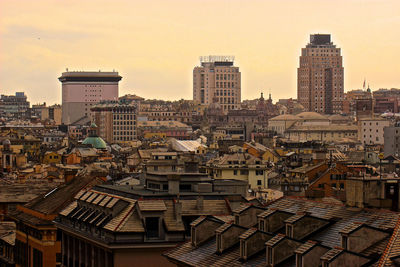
<point x="173" y="184"/>
<point x="178" y="210"/>
<point x="199" y="202"/>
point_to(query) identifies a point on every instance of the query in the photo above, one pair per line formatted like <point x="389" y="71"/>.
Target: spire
<point x="262" y="96"/>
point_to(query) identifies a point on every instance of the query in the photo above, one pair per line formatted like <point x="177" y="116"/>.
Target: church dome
<point x="93" y="139"/>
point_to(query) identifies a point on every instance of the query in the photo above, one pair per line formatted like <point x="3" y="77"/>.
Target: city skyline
<point x="155" y="47"/>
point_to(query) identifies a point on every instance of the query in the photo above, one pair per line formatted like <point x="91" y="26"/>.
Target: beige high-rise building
<point x="116" y="120"/>
<point x="217" y="79"/>
<point x="320" y="76"/>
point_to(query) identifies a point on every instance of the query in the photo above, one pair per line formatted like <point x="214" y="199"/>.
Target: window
<point x="259" y="172"/>
<point x="259" y="182"/>
<point x="152" y="227"/>
<point x="37" y="258"/>
<point x="234" y="172"/>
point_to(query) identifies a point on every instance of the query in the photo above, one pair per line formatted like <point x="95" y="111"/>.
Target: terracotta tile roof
<point x="8" y="232"/>
<point x="266" y="213"/>
<point x="392" y="249"/>
<point x="223" y="227"/>
<point x="170" y="220"/>
<point x="92" y="196"/>
<point x="132" y="224"/>
<point x="80" y="194"/>
<point x="275" y="240"/>
<point x="248" y="233"/>
<point x="57" y="199"/>
<point x="210" y="207"/>
<point x="104" y="201"/>
<point x="98" y="199"/>
<point x="151" y="205"/>
<point x="112" y="202"/>
<point x="241" y="208"/>
<point x="225" y="218"/>
<point x="294" y="218"/>
<point x="69" y="209"/>
<point x="204" y="256"/>
<point x="331" y="254"/>
<point x="351" y="227"/>
<point x="305" y="247"/>
<point x="198" y="221"/>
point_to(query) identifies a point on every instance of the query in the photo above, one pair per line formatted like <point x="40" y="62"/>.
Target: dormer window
<point x="152" y="227"/>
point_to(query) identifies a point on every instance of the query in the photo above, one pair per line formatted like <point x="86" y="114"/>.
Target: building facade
<point x="392" y="140"/>
<point x="320" y="76"/>
<point x="217" y="77"/>
<point x="372" y="131"/>
<point x="116" y="120"/>
<point x="14" y="106"/>
<point x="81" y="90"/>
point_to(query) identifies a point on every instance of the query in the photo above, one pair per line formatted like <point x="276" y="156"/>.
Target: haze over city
<point x="155" y="45"/>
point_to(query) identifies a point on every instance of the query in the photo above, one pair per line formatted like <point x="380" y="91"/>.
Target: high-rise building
<point x="82" y="89"/>
<point x="116" y="120"/>
<point x="14" y="106"/>
<point x="320" y="76"/>
<point x="217" y="79"/>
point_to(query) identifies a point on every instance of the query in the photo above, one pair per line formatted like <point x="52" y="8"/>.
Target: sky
<point x="155" y="44"/>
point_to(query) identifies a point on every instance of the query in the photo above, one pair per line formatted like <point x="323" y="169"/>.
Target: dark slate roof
<point x="392" y="249"/>
<point x="57" y="199"/>
<point x="345" y="216"/>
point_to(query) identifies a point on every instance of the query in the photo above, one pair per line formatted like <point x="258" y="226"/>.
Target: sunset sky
<point x="154" y="45"/>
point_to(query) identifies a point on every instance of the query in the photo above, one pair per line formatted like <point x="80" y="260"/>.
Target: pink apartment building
<point x="83" y="89"/>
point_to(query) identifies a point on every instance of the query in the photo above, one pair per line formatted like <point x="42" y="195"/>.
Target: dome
<point x="6" y="142"/>
<point x="284" y="117"/>
<point x="311" y="116"/>
<point x="96" y="142"/>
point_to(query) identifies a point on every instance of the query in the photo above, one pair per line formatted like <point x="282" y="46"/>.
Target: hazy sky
<point x="155" y="44"/>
